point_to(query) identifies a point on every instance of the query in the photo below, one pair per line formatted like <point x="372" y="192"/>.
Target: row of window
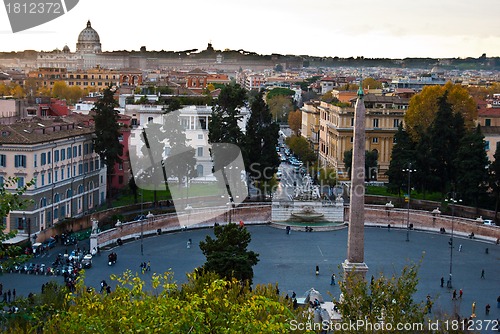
<point x="83" y="167"/>
<point x="46" y="157"/>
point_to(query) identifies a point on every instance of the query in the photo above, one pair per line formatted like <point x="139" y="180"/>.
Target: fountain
<point x="307" y="214"/>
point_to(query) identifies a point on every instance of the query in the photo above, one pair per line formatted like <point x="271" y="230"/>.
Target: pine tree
<point x="403" y="152"/>
<point x="472" y="167"/>
<point x="260" y="142"/>
<point x="227" y="254"/>
<point x="106" y="142"/>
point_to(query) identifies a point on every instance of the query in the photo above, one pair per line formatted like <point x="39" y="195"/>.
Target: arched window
<point x="56" y="198"/>
<point x="80" y="189"/>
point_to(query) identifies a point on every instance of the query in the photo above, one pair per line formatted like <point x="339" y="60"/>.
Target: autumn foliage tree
<point x="295" y="121"/>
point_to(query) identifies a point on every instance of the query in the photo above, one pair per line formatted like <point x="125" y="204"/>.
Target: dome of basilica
<point x="88" y="40"/>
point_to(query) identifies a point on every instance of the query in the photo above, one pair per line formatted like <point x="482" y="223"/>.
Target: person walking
<point x="482" y="274"/>
<point x="332" y="282"/>
<point x="442" y="281"/>
<point x="188" y="244"/>
<point x="148" y="268"/>
<point x="9" y="294"/>
<point x="317" y="270"/>
<point x="454" y="296"/>
<point x="460" y="248"/>
<point x="487" y="309"/>
<point x="460" y="293"/>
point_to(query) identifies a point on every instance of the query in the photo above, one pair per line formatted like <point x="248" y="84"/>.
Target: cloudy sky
<point x="387" y="28"/>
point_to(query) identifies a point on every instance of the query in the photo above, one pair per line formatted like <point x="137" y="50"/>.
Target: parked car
<point x="50" y="243"/>
<point x="489" y="222"/>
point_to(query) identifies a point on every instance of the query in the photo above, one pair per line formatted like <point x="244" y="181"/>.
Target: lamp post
<point x="142" y="222"/>
<point x="408" y="170"/>
<point x="26" y="228"/>
<point x="452" y="199"/>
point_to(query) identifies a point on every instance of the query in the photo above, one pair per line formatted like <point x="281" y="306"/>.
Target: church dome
<point x="66" y="49"/>
<point x="88" y="40"/>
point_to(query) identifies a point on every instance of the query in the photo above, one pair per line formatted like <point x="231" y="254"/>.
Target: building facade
<point x="383" y="116"/>
<point x="69" y="178"/>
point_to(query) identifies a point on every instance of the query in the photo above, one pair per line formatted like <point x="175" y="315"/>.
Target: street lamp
<point x="408" y="170"/>
<point x="453" y="199"/>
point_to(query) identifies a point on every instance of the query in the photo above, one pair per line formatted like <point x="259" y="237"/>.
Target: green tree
<point x="494" y="179"/>
<point x="280" y="91"/>
<point x="403" y="152"/>
<point x="261" y="139"/>
<point x="11" y="198"/>
<point x="223" y="126"/>
<point x="300" y="147"/>
<point x="227" y="254"/>
<point x="371" y="163"/>
<point x="387" y="299"/>
<point x="472" y="167"/>
<point x="106" y="142"/>
<point x="445" y="134"/>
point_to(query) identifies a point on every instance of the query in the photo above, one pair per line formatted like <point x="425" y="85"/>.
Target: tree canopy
<point x="424" y="106"/>
<point x="295" y="121"/>
<point x="227" y="254"/>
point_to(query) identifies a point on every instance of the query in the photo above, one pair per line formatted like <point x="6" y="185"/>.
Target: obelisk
<point x="354" y="264"/>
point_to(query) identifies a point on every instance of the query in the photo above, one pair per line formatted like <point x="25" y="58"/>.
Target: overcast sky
<point x="386" y="28"/>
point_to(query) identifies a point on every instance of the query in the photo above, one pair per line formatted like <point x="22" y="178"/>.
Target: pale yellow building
<point x="383" y="116"/>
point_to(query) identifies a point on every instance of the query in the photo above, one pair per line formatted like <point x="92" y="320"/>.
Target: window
<point x="352" y="139"/>
<point x="35" y="162"/>
<point x="74" y="170"/>
<point x="56" y="176"/>
<point x="487" y="122"/>
<point x="79" y="150"/>
<point x="69" y="172"/>
<point x="120" y="138"/>
<point x="86" y="149"/>
<point x="63" y="154"/>
<point x="80" y="169"/>
<point x="486" y="144"/>
<point x="49" y="157"/>
<point x="200" y="136"/>
<point x="3" y="160"/>
<point x="62" y="174"/>
<point x="396" y="123"/>
<point x="375" y="123"/>
<point x="20" y="161"/>
<point x="86" y="167"/>
<point x="1" y="180"/>
<point x="75" y="151"/>
<point x="375" y="140"/>
<point x="68" y="152"/>
<point x="56" y="156"/>
<point x="43" y="159"/>
<point x="43" y="179"/>
<point x="150" y="119"/>
<point x="199" y="170"/>
<point x="200" y="151"/>
<point x="49" y="176"/>
<point x="20" y="182"/>
<point x="120" y="166"/>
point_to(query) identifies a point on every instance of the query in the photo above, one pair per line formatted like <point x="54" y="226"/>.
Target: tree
<point x="403" y="152"/>
<point x="371" y="163"/>
<point x="295" y="121"/>
<point x="205" y="304"/>
<point x="106" y="142"/>
<point x="387" y="300"/>
<point x="300" y="147"/>
<point x="223" y="126"/>
<point x="371" y="83"/>
<point x="445" y="133"/>
<point x="260" y="141"/>
<point x="280" y="106"/>
<point x="424" y="106"/>
<point x="494" y="179"/>
<point x="227" y="254"/>
<point x="472" y="167"/>
<point x="9" y="201"/>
